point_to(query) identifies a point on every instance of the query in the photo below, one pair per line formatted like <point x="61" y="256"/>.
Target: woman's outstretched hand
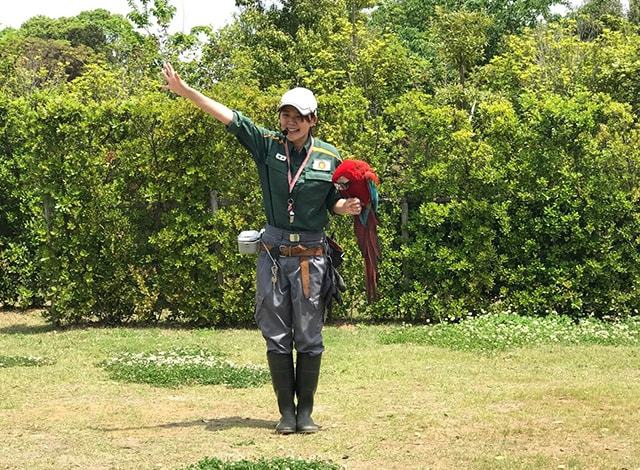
<point x="173" y="80"/>
<point x="209" y="106"/>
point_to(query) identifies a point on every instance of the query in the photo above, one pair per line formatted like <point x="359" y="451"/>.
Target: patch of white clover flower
<point x="183" y="366"/>
<point x="28" y="361"/>
<point x="508" y="330"/>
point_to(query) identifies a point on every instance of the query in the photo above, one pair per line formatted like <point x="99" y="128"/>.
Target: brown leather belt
<point x="303" y="253"/>
<point x="298" y="250"/>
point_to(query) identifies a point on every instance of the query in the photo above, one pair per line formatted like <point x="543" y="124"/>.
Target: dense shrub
<point x="531" y="207"/>
<point x="518" y="188"/>
<point x="20" y="278"/>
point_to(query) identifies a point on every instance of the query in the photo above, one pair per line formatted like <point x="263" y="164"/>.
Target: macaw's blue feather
<point x="364" y="215"/>
<point x="374" y="195"/>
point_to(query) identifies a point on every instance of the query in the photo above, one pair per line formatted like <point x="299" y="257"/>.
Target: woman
<point x="295" y="172"/>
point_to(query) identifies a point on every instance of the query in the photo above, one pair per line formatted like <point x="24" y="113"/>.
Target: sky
<point x="189" y="12"/>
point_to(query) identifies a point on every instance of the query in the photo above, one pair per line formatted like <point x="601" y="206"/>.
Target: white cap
<point x="300" y="98"/>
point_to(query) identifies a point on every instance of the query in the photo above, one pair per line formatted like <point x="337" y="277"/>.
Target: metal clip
<point x="274" y="274"/>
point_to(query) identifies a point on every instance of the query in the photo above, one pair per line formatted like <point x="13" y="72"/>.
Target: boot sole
<point x="286" y="431"/>
<point x="308" y="431"/>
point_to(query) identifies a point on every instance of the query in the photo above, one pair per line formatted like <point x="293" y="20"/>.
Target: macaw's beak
<point x="342" y="184"/>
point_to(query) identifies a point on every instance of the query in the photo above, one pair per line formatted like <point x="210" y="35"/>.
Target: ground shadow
<point x="216" y="424"/>
<point x="26" y="329"/>
<point x="220" y="424"/>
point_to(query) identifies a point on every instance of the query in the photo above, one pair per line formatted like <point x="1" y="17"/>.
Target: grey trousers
<point x="287" y="318"/>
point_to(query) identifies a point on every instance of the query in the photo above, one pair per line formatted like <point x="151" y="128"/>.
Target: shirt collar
<point x="305" y="147"/>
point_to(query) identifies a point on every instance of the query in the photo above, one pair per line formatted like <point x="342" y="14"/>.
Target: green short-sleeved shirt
<point x="313" y="195"/>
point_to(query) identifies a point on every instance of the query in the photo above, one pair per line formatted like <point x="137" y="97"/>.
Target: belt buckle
<point x="294" y="237"/>
<point x="285" y="250"/>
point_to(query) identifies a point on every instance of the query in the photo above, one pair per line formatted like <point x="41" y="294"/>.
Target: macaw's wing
<point x="367" y="236"/>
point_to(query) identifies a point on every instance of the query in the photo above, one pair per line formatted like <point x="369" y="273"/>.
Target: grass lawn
<point x="383" y="404"/>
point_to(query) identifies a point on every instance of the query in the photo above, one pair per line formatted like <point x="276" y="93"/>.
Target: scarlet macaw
<point x="355" y="178"/>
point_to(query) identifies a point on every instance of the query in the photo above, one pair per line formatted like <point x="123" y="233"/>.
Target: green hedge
<point x="534" y="207"/>
<point x="520" y="191"/>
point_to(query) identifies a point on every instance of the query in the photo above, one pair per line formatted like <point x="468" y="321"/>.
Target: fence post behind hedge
<point x="404" y="219"/>
<point x="404" y="232"/>
<point x="213" y="200"/>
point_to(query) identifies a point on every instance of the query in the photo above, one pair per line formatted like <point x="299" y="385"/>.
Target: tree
<point x="107" y="34"/>
<point x="463" y="37"/>
<point x="147" y="15"/>
<point x="598" y="8"/>
<point x="634" y="11"/>
<point x="29" y="63"/>
<point x="412" y="19"/>
<point x="566" y="64"/>
<point x="594" y="15"/>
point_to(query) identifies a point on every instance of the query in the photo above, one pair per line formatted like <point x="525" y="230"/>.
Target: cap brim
<point x="303" y="111"/>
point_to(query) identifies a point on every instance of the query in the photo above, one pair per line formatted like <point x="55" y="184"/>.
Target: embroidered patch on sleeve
<point x="321" y="164"/>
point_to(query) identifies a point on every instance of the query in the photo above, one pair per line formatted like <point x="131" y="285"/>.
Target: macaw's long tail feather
<point x="367" y="236"/>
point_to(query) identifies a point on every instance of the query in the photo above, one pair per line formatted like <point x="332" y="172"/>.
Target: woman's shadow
<point x="216" y="424"/>
<point x="219" y="424"/>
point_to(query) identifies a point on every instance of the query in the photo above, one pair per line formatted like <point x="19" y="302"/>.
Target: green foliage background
<point x="507" y="141"/>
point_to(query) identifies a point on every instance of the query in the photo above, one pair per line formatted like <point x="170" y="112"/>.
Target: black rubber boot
<point x="307" y="373"/>
<point x="282" y="377"/>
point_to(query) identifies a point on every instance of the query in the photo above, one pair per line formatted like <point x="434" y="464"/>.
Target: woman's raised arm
<point x="209" y="106"/>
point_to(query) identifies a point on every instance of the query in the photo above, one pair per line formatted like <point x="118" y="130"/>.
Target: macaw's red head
<point x="352" y="179"/>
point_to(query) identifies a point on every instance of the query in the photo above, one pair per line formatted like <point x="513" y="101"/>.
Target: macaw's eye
<point x="342" y="186"/>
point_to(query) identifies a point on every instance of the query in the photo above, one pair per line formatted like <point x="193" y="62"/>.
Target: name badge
<point x="321" y="164"/>
<point x="282" y="158"/>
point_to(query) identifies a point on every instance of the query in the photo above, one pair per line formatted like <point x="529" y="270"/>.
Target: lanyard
<point x="293" y="181"/>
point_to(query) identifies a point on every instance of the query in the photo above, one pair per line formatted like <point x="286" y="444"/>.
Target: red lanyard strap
<point x="292" y="181"/>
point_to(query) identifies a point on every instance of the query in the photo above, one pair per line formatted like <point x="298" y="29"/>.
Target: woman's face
<point x="296" y="125"/>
